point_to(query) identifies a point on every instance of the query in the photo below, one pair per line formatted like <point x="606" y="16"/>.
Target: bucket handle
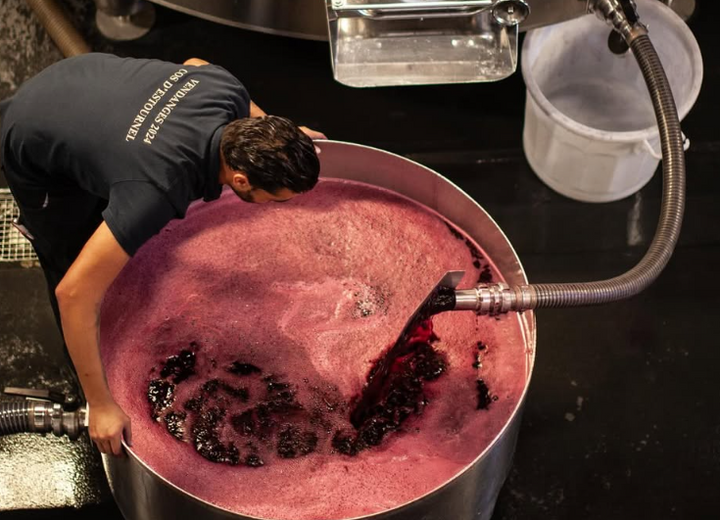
<point x="658" y="155"/>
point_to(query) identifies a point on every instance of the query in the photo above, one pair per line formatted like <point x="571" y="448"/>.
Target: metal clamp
<point x="415" y="14"/>
<point x="409" y="11"/>
<point x="69" y="402"/>
<point x="508" y="13"/>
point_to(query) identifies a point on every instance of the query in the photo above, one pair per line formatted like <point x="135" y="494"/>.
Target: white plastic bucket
<point x="590" y="130"/>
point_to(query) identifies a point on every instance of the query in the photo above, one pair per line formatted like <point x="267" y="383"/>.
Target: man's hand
<point x="108" y="425"/>
<point x="312" y="134"/>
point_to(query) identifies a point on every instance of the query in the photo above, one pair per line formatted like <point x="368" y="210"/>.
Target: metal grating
<point x="14" y="247"/>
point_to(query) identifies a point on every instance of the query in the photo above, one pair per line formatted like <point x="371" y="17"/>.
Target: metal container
<point x="377" y="43"/>
<point x="142" y="494"/>
<point x="307" y="18"/>
<point x="396" y="42"/>
<point x="296" y="18"/>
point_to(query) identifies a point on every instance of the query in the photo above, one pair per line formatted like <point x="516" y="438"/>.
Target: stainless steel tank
<point x="296" y="18"/>
<point x="141" y="494"/>
<point x="376" y="43"/>
<point x="306" y="18"/>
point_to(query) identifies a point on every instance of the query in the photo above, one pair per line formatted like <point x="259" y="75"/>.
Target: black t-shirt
<point x="143" y="134"/>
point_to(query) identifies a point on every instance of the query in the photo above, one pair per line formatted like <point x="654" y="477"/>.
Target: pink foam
<point x="278" y="285"/>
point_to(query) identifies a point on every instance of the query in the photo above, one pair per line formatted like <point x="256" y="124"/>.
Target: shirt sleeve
<point x="136" y="211"/>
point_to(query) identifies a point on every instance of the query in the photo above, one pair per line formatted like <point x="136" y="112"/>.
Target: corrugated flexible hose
<point x="56" y="23"/>
<point x="499" y="298"/>
<point x="15" y="417"/>
<point x="671" y="212"/>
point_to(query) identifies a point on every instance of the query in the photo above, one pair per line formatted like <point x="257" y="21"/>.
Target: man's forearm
<point x="256" y="111"/>
<point x="80" y="294"/>
<point x="80" y="320"/>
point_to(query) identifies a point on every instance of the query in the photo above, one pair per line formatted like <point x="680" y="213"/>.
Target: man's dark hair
<point x="273" y="153"/>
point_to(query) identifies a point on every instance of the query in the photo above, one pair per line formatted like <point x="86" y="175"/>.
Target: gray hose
<point x="498" y="298"/>
<point x="671" y="212"/>
<point x="15" y="417"/>
<point x="56" y="23"/>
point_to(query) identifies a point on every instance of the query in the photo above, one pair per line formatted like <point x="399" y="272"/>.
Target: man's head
<point x="267" y="159"/>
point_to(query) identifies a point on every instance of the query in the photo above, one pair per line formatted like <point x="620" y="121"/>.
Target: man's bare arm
<point x="80" y="294"/>
<point x="197" y="62"/>
<point x="256" y="111"/>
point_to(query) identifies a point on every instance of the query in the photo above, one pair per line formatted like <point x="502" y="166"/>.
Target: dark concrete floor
<point x="622" y="419"/>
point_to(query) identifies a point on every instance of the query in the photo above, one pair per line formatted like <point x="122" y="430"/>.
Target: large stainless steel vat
<point x="141" y="494"/>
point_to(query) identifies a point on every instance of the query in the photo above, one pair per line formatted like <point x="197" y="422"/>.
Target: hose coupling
<point x="40" y="412"/>
<point x="496" y="298"/>
<point x="622" y="16"/>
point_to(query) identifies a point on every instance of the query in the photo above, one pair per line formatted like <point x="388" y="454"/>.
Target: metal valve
<point x="42" y="411"/>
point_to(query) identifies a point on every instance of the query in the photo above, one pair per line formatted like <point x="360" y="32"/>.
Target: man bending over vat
<point x="102" y="152"/>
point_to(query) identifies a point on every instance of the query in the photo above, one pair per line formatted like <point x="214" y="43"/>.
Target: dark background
<point x="622" y="419"/>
